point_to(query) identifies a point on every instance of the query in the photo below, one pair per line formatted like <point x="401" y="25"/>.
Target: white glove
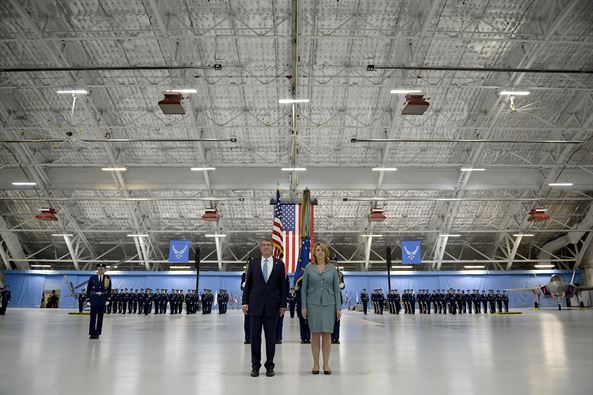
<point x="107" y="303"/>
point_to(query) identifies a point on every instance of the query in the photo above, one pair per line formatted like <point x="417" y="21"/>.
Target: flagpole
<point x="388" y="261"/>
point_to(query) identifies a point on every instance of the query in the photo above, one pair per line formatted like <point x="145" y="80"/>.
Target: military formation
<point x="160" y="301"/>
<point x="438" y="301"/>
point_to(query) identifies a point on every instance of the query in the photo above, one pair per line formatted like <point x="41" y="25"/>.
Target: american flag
<point x="291" y="234"/>
<point x="277" y="233"/>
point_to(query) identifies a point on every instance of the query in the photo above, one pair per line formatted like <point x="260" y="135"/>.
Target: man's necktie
<point x="266" y="269"/>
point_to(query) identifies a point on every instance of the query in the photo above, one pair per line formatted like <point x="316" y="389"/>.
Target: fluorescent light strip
<point x="472" y="169"/>
<point x="215" y="235"/>
<point x="72" y="92"/>
<point x="62" y="235"/>
<point x="183" y="91"/>
<point x="524" y="235"/>
<point x="179" y="267"/>
<point x="544" y="266"/>
<point x="404" y="91"/>
<point x="514" y="93"/>
<point x="452" y="235"/>
<point x="292" y="101"/>
<point x="372" y="235"/>
<point x="40" y="265"/>
<point x="134" y="235"/>
<point x="384" y="169"/>
<point x="474" y="267"/>
<point x="402" y="267"/>
<point x="203" y="168"/>
<point x="561" y="184"/>
<point x="294" y="169"/>
<point x="114" y="169"/>
<point x="24" y="184"/>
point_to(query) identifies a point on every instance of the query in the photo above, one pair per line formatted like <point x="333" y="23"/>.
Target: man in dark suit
<point x="98" y="290"/>
<point x="264" y="299"/>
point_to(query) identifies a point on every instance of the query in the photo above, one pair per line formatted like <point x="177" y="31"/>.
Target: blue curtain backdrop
<point x="27" y="286"/>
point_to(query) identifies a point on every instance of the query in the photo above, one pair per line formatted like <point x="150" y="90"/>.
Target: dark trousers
<point x="303" y="327"/>
<point x="279" y="326"/>
<point x="499" y="305"/>
<point x="269" y="325"/>
<point x="506" y="307"/>
<point x="96" y="323"/>
<point x="3" y="307"/>
<point x="80" y="305"/>
<point x="364" y="307"/>
<point x="292" y="304"/>
<point x="247" y="327"/>
<point x="336" y="333"/>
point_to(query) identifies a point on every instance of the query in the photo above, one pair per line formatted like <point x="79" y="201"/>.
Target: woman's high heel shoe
<point x="315" y="371"/>
<point x="328" y="371"/>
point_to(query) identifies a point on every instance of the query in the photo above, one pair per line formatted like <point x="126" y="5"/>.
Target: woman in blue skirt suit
<point x="320" y="296"/>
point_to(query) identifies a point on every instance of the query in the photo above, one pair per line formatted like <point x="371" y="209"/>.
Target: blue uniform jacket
<point x="98" y="292"/>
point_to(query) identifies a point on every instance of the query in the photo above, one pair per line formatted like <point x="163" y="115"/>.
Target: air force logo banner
<point x="412" y="252"/>
<point x="179" y="251"/>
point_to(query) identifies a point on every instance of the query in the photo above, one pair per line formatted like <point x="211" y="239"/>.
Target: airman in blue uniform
<point x="98" y="290"/>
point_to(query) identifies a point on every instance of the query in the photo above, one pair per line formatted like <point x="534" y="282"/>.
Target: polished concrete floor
<point x="543" y="352"/>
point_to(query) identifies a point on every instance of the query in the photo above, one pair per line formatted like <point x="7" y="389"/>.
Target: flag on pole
<point x="277" y="230"/>
<point x="291" y="215"/>
<point x="305" y="237"/>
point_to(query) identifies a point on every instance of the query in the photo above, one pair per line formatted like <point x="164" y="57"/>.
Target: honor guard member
<point x="405" y="300"/>
<point x="246" y="321"/>
<point x="280" y="319"/>
<point x="179" y="301"/>
<point x="148" y="301"/>
<point x="171" y="299"/>
<point x="476" y="300"/>
<point x="498" y="298"/>
<point x="125" y="299"/>
<point x="505" y="300"/>
<point x="390" y="302"/>
<point x="210" y="301"/>
<point x="220" y="299"/>
<point x="204" y="308"/>
<point x="133" y="301"/>
<point x="468" y="302"/>
<point x="492" y="301"/>
<point x="188" y="302"/>
<point x="364" y="298"/>
<point x="380" y="301"/>
<point x="451" y="302"/>
<point x="304" y="329"/>
<point x="163" y="299"/>
<point x="419" y="299"/>
<point x="98" y="289"/>
<point x="81" y="300"/>
<point x="460" y="299"/>
<point x="141" y="296"/>
<point x="335" y="336"/>
<point x="374" y="301"/>
<point x="5" y="296"/>
<point x="291" y="301"/>
<point x="397" y="301"/>
<point x="109" y="305"/>
<point x="156" y="300"/>
<point x="484" y="300"/>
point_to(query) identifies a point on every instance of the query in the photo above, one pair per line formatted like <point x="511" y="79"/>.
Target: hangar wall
<point x="27" y="286"/>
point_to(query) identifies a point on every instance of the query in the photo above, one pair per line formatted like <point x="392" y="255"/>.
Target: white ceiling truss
<point x="242" y="57"/>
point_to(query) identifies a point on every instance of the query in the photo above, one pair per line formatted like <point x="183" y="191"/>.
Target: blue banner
<point x="412" y="252"/>
<point x="179" y="251"/>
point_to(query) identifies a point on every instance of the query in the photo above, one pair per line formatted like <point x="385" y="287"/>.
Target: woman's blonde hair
<point x="324" y="248"/>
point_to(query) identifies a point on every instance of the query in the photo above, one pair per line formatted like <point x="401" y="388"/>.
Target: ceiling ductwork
<point x="586" y="225"/>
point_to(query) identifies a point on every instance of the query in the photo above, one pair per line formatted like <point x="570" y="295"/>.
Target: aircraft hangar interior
<point x="292" y="196"/>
